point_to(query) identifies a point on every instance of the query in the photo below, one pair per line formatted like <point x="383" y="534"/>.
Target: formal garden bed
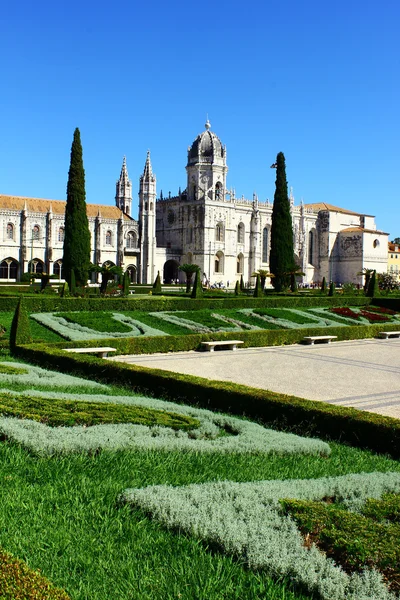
<point x="116" y="493"/>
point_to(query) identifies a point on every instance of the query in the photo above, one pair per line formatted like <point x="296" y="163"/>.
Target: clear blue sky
<point x="316" y="80"/>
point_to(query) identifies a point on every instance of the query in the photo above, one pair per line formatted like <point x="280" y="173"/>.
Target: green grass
<point x="280" y="313"/>
<point x="55" y="413"/>
<point x="99" y="321"/>
<point x="62" y="515"/>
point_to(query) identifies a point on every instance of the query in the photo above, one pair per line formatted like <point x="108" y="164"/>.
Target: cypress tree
<point x="157" y="284"/>
<point x="73" y="282"/>
<point x="20" y="332"/>
<point x="237" y="288"/>
<point x="258" y="291"/>
<point x="197" y="291"/>
<point x="323" y="286"/>
<point x="281" y="258"/>
<point x="373" y="287"/>
<point x="77" y="236"/>
<point x="125" y="283"/>
<point x="241" y="284"/>
<point x="332" y="289"/>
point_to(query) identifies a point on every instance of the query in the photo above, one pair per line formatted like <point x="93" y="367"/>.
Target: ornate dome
<point x="207" y="146"/>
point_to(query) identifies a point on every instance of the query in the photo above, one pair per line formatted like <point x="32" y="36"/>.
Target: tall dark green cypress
<point x="77" y="235"/>
<point x="281" y="258"/>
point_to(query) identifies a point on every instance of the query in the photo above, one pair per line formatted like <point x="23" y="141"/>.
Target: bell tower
<point x="123" y="194"/>
<point x="147" y="223"/>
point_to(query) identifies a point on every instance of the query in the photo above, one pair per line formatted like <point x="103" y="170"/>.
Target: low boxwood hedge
<point x="288" y="413"/>
<point x="39" y="303"/>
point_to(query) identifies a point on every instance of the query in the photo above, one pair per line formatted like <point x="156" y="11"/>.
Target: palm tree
<point x="189" y="270"/>
<point x="107" y="272"/>
<point x="294" y="271"/>
<point x="263" y="273"/>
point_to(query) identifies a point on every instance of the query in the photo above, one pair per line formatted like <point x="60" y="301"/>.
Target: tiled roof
<point x="317" y="206"/>
<point x="39" y="205"/>
<point x="362" y="230"/>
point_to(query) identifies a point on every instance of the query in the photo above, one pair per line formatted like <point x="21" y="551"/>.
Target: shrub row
<point x="288" y="413"/>
<point x="251" y="339"/>
<point x="40" y="303"/>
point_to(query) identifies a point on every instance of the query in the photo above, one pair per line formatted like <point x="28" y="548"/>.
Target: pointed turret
<point x="147" y="222"/>
<point x="123" y="196"/>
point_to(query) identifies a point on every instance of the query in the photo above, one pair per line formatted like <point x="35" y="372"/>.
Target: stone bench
<point x="102" y="352"/>
<point x="311" y="339"/>
<point x="231" y="344"/>
<point x="388" y="334"/>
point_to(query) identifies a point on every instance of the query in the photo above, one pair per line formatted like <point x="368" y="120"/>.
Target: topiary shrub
<point x="197" y="291"/>
<point x="20" y="332"/>
<point x="157" y="284"/>
<point x="241" y="284"/>
<point x="373" y="287"/>
<point x="125" y="284"/>
<point x="237" y="288"/>
<point x="258" y="292"/>
<point x="331" y="289"/>
<point x="323" y="285"/>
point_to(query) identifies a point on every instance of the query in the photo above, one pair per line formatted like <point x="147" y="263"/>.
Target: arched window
<point x="189" y="235"/>
<point x="36" y="232"/>
<point x="218" y="190"/>
<point x="239" y="263"/>
<point x="108" y="238"/>
<point x="58" y="269"/>
<point x="219" y="263"/>
<point x="240" y="233"/>
<point x="131" y="240"/>
<point x="265" y="242"/>
<point x="127" y="209"/>
<point x="36" y="266"/>
<point x="61" y="233"/>
<point x="194" y="192"/>
<point x="10" y="231"/>
<point x="8" y="269"/>
<point x="219" y="232"/>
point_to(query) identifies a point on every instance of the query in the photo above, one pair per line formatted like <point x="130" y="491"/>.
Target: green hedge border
<point x="289" y="413"/>
<point x="40" y="303"/>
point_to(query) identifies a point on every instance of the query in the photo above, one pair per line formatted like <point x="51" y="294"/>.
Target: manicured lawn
<point x="64" y="516"/>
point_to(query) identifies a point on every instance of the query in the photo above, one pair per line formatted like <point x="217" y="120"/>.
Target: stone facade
<point x="206" y="224"/>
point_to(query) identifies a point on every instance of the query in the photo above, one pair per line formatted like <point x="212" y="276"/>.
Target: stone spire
<point x="123" y="195"/>
<point x="148" y="170"/>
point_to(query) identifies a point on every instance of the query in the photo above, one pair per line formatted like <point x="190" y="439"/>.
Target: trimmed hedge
<point x="288" y="413"/>
<point x="251" y="339"/>
<point x="40" y="303"/>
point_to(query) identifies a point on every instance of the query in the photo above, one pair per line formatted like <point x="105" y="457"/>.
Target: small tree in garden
<point x="77" y="235"/>
<point x="64" y="290"/>
<point x="373" y="286"/>
<point x="189" y="269"/>
<point x="20" y="332"/>
<point x="241" y="284"/>
<point x="293" y="272"/>
<point x="258" y="291"/>
<point x="157" y="284"/>
<point x="237" y="288"/>
<point x="281" y="256"/>
<point x="125" y="283"/>
<point x="331" y="289"/>
<point x="197" y="291"/>
<point x="108" y="272"/>
<point x="323" y="286"/>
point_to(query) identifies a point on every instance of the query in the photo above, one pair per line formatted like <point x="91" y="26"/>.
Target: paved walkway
<point x="364" y="374"/>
